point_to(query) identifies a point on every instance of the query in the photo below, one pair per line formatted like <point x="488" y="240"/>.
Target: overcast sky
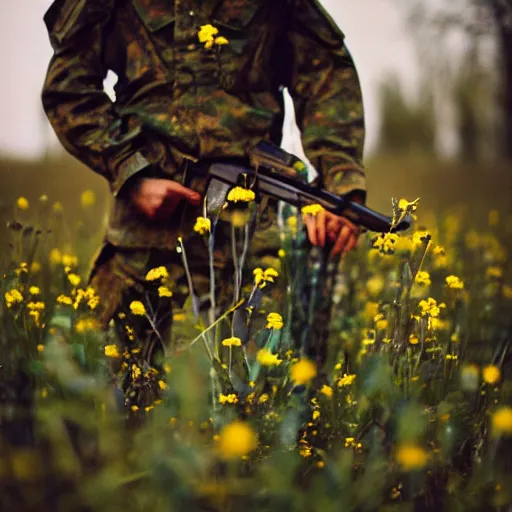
<point x="375" y="33"/>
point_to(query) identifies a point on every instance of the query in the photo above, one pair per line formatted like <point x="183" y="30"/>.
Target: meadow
<point x="411" y="408"/>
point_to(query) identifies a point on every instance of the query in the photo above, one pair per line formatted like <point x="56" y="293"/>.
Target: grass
<point x="411" y="409"/>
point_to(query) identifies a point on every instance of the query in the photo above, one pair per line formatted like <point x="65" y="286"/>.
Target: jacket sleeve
<point x="327" y="95"/>
<point x="82" y="115"/>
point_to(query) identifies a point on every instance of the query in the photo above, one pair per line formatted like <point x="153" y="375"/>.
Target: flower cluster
<point x="207" y="35"/>
<point x="241" y="195"/>
<point x="261" y="277"/>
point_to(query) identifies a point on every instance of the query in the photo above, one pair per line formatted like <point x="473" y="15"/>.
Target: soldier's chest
<point x="187" y="16"/>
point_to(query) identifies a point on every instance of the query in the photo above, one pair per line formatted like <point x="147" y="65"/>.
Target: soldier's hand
<point x="158" y="198"/>
<point x="324" y="227"/>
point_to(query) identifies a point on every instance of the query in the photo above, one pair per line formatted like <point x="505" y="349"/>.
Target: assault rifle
<point x="274" y="172"/>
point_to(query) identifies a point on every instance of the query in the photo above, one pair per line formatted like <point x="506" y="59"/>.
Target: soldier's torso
<point x="190" y="101"/>
<point x="150" y="41"/>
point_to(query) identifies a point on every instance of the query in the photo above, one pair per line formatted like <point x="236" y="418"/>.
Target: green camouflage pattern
<point x="179" y="103"/>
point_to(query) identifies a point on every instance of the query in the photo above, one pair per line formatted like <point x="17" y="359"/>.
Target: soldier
<point x="185" y="100"/>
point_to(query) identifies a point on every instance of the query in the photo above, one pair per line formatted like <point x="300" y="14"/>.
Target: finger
<point x="177" y="189"/>
<point x="352" y="241"/>
<point x="311" y="228"/>
<point x="348" y="223"/>
<point x="321" y="227"/>
<point x="341" y="241"/>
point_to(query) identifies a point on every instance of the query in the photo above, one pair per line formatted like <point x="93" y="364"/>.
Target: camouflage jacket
<point x="178" y="101"/>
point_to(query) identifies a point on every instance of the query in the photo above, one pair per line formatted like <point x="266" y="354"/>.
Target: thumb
<point x="176" y="189"/>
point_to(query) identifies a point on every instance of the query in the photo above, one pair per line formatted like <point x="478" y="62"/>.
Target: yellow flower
<point x="371" y="310"/>
<point x="439" y="250"/>
<point x="380" y="322"/>
<point x="501" y="420"/>
<point x="452" y="356"/>
<point x="22" y="203"/>
<point x="136" y="372"/>
<point x="368" y="336"/>
<point x="157" y="273"/>
<point x="419" y="237"/>
<point x="491" y="374"/>
<point x="375" y="285"/>
<point x="239" y="194"/>
<point x="454" y="282"/>
<point x="55" y="256"/>
<point x="292" y="224"/>
<point x="423" y="278"/>
<point x="263" y="398"/>
<point x="134" y="408"/>
<point x="232" y="342"/>
<point x="312" y="209"/>
<point x="346" y="380"/>
<point x="40" y="348"/>
<point x="34" y="290"/>
<point x="261" y="277"/>
<point x="228" y="399"/>
<point x="430" y="307"/>
<point x="13" y="297"/>
<point x="86" y="324"/>
<point x="274" y="321"/>
<point x="64" y="299"/>
<point x="163" y="291"/>
<point x="236" y="440"/>
<point x="206" y="33"/>
<point x="88" y="198"/>
<point x="221" y="41"/>
<point x="137" y="308"/>
<point x="39" y="305"/>
<point x="386" y="243"/>
<point x="69" y="260"/>
<point x="411" y="456"/>
<point x="494" y="272"/>
<point x="281" y="253"/>
<point x="162" y="385"/>
<point x="327" y="391"/>
<point x="303" y="371"/>
<point x="112" y="351"/>
<point x="74" y="279"/>
<point x="410" y="206"/>
<point x="266" y="358"/>
<point x="404" y="244"/>
<point x="203" y="225"/>
<point x="35" y="267"/>
<point x="413" y="339"/>
<point x="57" y="207"/>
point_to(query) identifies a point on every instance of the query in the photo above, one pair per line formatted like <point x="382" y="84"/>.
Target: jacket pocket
<point x="154" y="14"/>
<point x="233" y="18"/>
<point x="237" y="22"/>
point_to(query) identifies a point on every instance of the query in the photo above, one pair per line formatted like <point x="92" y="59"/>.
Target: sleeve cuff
<point x="347" y="181"/>
<point x="129" y="168"/>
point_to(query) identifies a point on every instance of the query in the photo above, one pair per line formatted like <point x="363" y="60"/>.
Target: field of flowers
<point x="410" y="408"/>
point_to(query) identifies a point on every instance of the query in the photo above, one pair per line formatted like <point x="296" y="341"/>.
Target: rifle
<point x="274" y="172"/>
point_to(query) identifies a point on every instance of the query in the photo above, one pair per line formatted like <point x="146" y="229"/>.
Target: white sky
<point x="375" y="33"/>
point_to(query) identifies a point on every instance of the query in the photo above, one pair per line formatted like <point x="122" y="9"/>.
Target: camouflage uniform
<point x="179" y="105"/>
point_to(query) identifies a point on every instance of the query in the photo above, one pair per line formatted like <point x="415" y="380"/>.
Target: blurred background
<point x="437" y="84"/>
